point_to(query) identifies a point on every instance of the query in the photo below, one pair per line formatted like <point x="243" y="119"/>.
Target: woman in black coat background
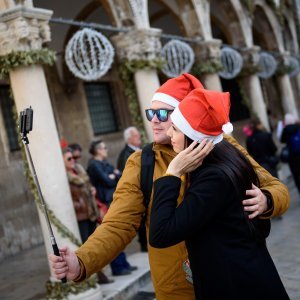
<point x="227" y="251"/>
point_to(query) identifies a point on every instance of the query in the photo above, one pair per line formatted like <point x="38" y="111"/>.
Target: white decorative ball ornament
<point x="293" y="63"/>
<point x="267" y="64"/>
<point x="89" y="54"/>
<point x="179" y="58"/>
<point x="232" y="63"/>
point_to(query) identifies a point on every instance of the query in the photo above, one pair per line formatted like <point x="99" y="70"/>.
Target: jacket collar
<point x="165" y="148"/>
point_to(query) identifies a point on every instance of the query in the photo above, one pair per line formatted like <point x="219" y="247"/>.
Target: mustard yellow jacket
<point x="121" y="222"/>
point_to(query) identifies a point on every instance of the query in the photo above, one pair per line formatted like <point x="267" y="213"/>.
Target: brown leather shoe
<point x="103" y="279"/>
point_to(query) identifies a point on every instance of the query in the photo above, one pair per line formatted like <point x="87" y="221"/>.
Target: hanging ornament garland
<point x="179" y="57"/>
<point x="89" y="54"/>
<point x="232" y="63"/>
<point x="294" y="66"/>
<point x="267" y="64"/>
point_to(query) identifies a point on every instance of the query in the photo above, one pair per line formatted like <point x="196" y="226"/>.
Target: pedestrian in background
<point x="76" y="151"/>
<point x="291" y="137"/>
<point x="262" y="148"/>
<point x="104" y="176"/>
<point x="132" y="138"/>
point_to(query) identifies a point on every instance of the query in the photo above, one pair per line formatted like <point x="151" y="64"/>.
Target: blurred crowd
<point x="262" y="147"/>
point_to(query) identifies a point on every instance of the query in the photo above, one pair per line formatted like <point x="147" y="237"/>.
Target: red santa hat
<point x="203" y="114"/>
<point x="175" y="89"/>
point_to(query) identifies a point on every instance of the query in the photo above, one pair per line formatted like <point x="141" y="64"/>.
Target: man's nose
<point x="155" y="119"/>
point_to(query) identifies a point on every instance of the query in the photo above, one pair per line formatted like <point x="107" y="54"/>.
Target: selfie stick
<point x="26" y="118"/>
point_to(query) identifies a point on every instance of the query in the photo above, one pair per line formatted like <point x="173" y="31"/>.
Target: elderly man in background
<point x="132" y="138"/>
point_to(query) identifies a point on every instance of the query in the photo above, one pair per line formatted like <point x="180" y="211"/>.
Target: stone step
<point x="127" y="286"/>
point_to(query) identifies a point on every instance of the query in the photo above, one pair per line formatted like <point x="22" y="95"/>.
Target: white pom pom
<point x="227" y="128"/>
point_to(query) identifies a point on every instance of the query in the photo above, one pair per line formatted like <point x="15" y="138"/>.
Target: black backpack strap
<point x="147" y="170"/>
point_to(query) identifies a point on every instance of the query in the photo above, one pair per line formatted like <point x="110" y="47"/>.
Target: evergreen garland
<point x="57" y="290"/>
<point x="249" y="70"/>
<point x="209" y="67"/>
<point x="25" y="58"/>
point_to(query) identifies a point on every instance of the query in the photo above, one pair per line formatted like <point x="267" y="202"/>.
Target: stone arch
<point x="163" y="15"/>
<point x="228" y="17"/>
<point x="290" y="28"/>
<point x="267" y="35"/>
<point x="266" y="23"/>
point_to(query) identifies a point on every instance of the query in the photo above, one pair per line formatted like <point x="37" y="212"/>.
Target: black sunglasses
<point x="161" y="114"/>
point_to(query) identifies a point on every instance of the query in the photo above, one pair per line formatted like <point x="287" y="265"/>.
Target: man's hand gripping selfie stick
<point x="25" y="124"/>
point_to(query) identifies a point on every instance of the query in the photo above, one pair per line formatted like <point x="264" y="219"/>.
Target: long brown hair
<point x="233" y="163"/>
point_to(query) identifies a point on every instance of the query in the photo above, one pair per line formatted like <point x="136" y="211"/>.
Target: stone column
<point x="27" y="29"/>
<point x="286" y="90"/>
<point x="141" y="45"/>
<point x="208" y="53"/>
<point x="252" y="85"/>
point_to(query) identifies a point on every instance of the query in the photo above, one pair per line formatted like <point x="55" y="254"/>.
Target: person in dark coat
<point x="105" y="177"/>
<point x="133" y="142"/>
<point x="262" y="148"/>
<point x="292" y="131"/>
<point x="228" y="256"/>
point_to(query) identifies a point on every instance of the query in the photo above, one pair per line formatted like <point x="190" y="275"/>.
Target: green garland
<point x="58" y="291"/>
<point x="127" y="69"/>
<point x="25" y="58"/>
<point x="283" y="69"/>
<point x="249" y="70"/>
<point x="210" y="67"/>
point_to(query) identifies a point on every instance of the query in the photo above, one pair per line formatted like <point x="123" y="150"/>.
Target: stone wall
<point x="19" y="223"/>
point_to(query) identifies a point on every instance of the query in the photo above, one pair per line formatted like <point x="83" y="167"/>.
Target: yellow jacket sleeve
<point x="268" y="184"/>
<point x="120" y="224"/>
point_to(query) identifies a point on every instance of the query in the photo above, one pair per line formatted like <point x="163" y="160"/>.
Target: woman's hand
<point x="190" y="158"/>
<point x="257" y="204"/>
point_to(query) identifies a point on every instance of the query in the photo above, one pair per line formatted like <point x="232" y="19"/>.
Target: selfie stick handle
<point x="52" y="238"/>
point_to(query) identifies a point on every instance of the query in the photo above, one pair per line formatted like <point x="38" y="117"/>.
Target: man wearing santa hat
<point x="123" y="219"/>
<point x="227" y="251"/>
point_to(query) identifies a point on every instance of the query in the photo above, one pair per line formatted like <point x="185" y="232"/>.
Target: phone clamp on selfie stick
<point x="25" y="124"/>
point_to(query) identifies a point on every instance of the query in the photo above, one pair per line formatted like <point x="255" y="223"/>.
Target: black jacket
<point x="260" y="146"/>
<point x="98" y="172"/>
<point x="227" y="260"/>
<point x="123" y="156"/>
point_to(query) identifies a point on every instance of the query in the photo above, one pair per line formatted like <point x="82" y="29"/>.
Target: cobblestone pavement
<point x="23" y="276"/>
<point x="284" y="245"/>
